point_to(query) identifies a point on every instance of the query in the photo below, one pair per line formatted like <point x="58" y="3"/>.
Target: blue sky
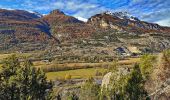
<point x="157" y="11"/>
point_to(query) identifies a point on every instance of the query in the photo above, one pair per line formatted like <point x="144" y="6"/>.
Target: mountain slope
<point x="17" y="15"/>
<point x="18" y="27"/>
<point x="58" y="17"/>
<point x="124" y="21"/>
<point x="67" y="27"/>
<point x="29" y="31"/>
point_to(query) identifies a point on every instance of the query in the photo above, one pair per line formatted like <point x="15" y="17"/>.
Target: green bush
<point x="125" y="87"/>
<point x="90" y="90"/>
<point x="147" y="64"/>
<point x="23" y="81"/>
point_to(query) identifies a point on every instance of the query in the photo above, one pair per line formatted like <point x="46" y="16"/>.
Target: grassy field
<point x="53" y="67"/>
<point x="129" y="61"/>
<point x="76" y="70"/>
<point x="88" y="72"/>
<point x="79" y="73"/>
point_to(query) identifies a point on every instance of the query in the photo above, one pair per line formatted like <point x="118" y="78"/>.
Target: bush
<point x="89" y="90"/>
<point x="67" y="77"/>
<point x="125" y="87"/>
<point x="146" y="65"/>
<point x="23" y="81"/>
<point x="97" y="73"/>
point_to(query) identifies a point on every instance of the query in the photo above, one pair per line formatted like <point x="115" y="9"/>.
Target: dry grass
<point x="3" y="56"/>
<point x="88" y="72"/>
<point x="79" y="73"/>
<point x="129" y="61"/>
<point x="52" y="67"/>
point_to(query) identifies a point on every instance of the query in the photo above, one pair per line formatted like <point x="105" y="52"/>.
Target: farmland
<point x="76" y="70"/>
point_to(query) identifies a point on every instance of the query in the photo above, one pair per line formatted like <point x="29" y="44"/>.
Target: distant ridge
<point x="19" y="27"/>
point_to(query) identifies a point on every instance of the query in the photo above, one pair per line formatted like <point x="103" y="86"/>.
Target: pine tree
<point x="135" y="85"/>
<point x="9" y="90"/>
<point x="23" y="82"/>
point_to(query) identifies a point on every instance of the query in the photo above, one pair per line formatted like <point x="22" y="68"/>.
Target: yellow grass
<point x="129" y="61"/>
<point x="85" y="73"/>
<point x="2" y="56"/>
<point x="79" y="73"/>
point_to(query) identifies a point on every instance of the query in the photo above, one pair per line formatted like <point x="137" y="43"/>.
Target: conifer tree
<point x="23" y="81"/>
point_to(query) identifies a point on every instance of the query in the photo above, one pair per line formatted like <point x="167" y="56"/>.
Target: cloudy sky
<point x="157" y="11"/>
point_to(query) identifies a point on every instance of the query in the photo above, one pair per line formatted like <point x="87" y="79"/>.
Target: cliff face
<point x="121" y="21"/>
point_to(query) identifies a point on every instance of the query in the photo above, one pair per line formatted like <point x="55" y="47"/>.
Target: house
<point x="122" y="51"/>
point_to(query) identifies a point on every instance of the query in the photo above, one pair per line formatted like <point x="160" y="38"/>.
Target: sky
<point x="156" y="11"/>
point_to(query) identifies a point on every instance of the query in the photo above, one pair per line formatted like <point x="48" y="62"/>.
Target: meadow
<point x="80" y="70"/>
<point x="75" y="70"/>
<point x="75" y="74"/>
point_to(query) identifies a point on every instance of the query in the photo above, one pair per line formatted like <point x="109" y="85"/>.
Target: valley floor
<point x="55" y="71"/>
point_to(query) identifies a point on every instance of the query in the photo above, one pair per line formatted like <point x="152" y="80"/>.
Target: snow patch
<point x="122" y="15"/>
<point x="81" y="19"/>
<point x="36" y="13"/>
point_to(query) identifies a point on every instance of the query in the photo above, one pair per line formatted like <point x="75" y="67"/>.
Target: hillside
<point x="62" y="35"/>
<point x="22" y="30"/>
<point x="126" y="22"/>
<point x="67" y="27"/>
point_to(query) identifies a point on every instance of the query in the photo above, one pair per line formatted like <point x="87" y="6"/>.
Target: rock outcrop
<point x="107" y="78"/>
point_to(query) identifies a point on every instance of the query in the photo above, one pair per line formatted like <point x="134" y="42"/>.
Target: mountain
<point x="123" y="29"/>
<point x="66" y="27"/>
<point x="19" y="28"/>
<point x="122" y="15"/>
<point x="17" y="15"/>
<point x="58" y="17"/>
<point x="124" y="21"/>
<point x="30" y="31"/>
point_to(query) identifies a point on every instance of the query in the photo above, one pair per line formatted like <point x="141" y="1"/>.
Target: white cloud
<point x="165" y="22"/>
<point x="88" y="13"/>
<point x="160" y="16"/>
<point x="60" y="5"/>
<point x="81" y="18"/>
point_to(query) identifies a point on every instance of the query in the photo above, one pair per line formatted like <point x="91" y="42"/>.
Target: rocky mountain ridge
<point x="124" y="21"/>
<point x="23" y="29"/>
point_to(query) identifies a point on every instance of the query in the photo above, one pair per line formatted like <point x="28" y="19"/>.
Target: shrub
<point x="146" y="65"/>
<point x="67" y="77"/>
<point x="125" y="87"/>
<point x="89" y="90"/>
<point x="97" y="73"/>
<point x="23" y="81"/>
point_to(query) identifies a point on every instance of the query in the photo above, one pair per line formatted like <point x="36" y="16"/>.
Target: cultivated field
<point x="75" y="70"/>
